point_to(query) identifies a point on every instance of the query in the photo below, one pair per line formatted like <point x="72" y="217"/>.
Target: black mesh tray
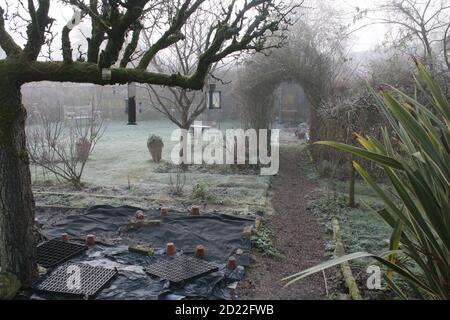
<point x="55" y="252"/>
<point x="181" y="268"/>
<point x="92" y="280"/>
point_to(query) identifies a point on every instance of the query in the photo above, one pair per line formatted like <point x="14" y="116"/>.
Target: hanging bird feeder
<point x="213" y="98"/>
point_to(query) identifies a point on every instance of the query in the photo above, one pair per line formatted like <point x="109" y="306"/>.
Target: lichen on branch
<point x="6" y="41"/>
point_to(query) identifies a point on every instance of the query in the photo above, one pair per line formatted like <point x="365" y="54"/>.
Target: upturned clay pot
<point x="90" y="240"/>
<point x="140" y="215"/>
<point x="232" y="263"/>
<point x="195" y="211"/>
<point x="164" y="211"/>
<point x="171" y="250"/>
<point x="200" y="251"/>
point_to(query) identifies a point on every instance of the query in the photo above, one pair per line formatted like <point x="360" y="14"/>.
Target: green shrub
<point x="263" y="244"/>
<point x="202" y="191"/>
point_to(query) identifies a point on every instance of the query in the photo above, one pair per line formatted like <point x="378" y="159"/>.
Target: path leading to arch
<point x="295" y="235"/>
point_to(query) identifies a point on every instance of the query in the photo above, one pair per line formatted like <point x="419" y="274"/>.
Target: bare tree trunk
<point x="17" y="240"/>
<point x="314" y="124"/>
<point x="351" y="193"/>
<point x="185" y="125"/>
<point x="446" y="46"/>
<point x="428" y="50"/>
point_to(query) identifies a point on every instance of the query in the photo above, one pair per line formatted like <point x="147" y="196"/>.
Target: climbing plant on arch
<point x="301" y="61"/>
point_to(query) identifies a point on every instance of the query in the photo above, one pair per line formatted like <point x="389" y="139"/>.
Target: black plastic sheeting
<point x="221" y="235"/>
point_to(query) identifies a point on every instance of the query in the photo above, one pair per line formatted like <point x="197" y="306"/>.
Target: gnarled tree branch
<point x="83" y="72"/>
<point x="36" y="29"/>
<point x="247" y="28"/>
<point x="131" y="47"/>
<point x="120" y="24"/>
<point x="7" y="43"/>
<point x="66" y="45"/>
<point x="172" y="35"/>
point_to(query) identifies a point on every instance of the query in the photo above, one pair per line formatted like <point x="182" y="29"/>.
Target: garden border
<point x="339" y="250"/>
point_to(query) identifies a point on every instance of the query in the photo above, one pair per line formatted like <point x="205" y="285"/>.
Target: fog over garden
<point x="282" y="149"/>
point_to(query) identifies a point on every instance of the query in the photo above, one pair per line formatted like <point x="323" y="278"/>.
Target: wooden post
<point x="132" y="104"/>
<point x="351" y="193"/>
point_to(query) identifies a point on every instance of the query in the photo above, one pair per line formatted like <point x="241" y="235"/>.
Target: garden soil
<point x="296" y="235"/>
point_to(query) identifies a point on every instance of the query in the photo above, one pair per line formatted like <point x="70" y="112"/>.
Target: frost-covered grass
<point x="362" y="228"/>
<point x="121" y="169"/>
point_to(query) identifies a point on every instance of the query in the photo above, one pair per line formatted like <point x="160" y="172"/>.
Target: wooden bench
<point x="72" y="113"/>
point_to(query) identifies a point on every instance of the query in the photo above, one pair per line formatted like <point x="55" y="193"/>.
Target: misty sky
<point x="363" y="40"/>
<point x="369" y="37"/>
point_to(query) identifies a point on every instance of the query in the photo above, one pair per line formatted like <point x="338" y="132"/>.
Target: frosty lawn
<point x="121" y="172"/>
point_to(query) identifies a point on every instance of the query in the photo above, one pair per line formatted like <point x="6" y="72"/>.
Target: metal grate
<point x="54" y="252"/>
<point x="78" y="280"/>
<point x="181" y="268"/>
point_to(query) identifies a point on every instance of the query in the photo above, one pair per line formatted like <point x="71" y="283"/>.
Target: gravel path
<point x="295" y="234"/>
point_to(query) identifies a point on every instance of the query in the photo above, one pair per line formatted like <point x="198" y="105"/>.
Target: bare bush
<point x="177" y="180"/>
<point x="63" y="148"/>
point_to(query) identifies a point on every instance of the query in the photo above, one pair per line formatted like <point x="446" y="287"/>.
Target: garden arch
<point x="260" y="77"/>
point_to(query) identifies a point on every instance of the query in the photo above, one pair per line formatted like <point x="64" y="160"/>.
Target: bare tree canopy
<point x="179" y="105"/>
<point x="419" y="26"/>
<point x="116" y="29"/>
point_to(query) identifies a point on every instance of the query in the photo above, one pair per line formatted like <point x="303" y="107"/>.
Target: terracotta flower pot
<point x="200" y="251"/>
<point x="232" y="263"/>
<point x="90" y="240"/>
<point x="195" y="211"/>
<point x="155" y="151"/>
<point x="171" y="250"/>
<point x="140" y="215"/>
<point x="164" y="211"/>
<point x="82" y="149"/>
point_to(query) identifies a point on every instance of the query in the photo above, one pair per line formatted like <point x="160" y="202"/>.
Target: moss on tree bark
<point x="17" y="241"/>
